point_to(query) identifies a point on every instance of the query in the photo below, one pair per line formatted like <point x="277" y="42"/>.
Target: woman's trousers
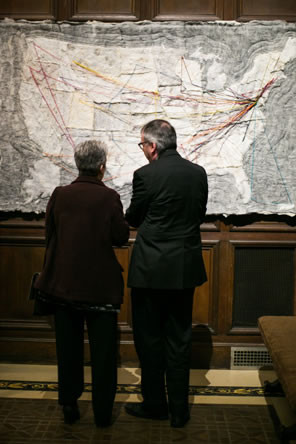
<point x="102" y="334"/>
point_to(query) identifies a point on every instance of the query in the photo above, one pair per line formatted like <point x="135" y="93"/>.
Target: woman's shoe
<point x="71" y="413"/>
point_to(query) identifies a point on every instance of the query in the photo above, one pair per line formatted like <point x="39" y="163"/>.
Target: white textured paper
<point x="228" y="88"/>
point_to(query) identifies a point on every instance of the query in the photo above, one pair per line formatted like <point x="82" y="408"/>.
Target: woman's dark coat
<point x="84" y="220"/>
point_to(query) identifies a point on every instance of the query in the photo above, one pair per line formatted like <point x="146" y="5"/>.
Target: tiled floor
<point x="38" y="421"/>
<point x="227" y="406"/>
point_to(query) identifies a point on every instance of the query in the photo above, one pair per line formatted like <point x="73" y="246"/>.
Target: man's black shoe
<point x="137" y="409"/>
<point x="179" y="421"/>
<point x="103" y="422"/>
<point x="71" y="413"/>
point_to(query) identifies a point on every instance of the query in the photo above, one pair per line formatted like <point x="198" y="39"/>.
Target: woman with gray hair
<point x="83" y="280"/>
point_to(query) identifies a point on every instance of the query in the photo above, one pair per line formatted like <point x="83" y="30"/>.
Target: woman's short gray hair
<point x="89" y="156"/>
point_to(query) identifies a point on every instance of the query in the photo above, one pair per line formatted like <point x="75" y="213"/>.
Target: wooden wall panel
<point x="17" y="265"/>
<point x="272" y="275"/>
<point x="265" y="10"/>
<point x="25" y="337"/>
<point x="204" y="301"/>
<point x="187" y="10"/>
<point x="30" y="10"/>
<point x="263" y="283"/>
<point x="132" y="10"/>
<point x="28" y="338"/>
<point x="105" y="10"/>
<point x="124" y="318"/>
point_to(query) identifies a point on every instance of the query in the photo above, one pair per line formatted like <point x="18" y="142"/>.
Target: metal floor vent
<point x="250" y="358"/>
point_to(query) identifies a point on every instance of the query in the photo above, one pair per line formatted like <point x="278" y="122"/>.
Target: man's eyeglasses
<point x="141" y="144"/>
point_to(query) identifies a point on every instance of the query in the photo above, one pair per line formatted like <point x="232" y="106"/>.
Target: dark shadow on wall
<point x="236" y="220"/>
<point x="202" y="347"/>
<point x="7" y="215"/>
<point x="248" y="219"/>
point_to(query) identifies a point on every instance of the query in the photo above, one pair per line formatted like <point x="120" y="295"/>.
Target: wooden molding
<point x="29" y="10"/>
<point x="243" y="331"/>
<point x="161" y="11"/>
<point x="247" y="10"/>
<point x="80" y="10"/>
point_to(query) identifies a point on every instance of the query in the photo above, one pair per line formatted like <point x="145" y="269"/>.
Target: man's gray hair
<point x="89" y="156"/>
<point x="160" y="132"/>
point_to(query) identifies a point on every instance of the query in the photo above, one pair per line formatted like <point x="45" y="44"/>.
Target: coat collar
<point x="168" y="153"/>
<point x="88" y="179"/>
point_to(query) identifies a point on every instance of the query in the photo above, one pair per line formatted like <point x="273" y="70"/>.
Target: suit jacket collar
<point x="168" y="153"/>
<point x="88" y="179"/>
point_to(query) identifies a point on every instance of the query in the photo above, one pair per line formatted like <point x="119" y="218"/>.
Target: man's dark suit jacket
<point x="168" y="205"/>
<point x="83" y="221"/>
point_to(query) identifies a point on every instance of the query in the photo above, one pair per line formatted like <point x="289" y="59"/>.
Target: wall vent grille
<point x="250" y="358"/>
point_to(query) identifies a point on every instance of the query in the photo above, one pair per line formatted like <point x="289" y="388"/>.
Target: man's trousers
<point x="102" y="334"/>
<point x="162" y="325"/>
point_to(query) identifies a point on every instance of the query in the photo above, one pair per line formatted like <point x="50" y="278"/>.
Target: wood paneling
<point x="132" y="10"/>
<point x="187" y="10"/>
<point x="265" y="10"/>
<point x="30" y="10"/>
<point x="205" y="297"/>
<point x="27" y="338"/>
<point x="17" y="265"/>
<point x="23" y="336"/>
<point x="263" y="283"/>
<point x="124" y="318"/>
<point x="107" y="10"/>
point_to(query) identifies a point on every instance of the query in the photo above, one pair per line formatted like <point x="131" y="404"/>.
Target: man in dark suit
<point x="168" y="205"/>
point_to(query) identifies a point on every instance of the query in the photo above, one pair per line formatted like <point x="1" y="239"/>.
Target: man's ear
<point x="102" y="170"/>
<point x="154" y="153"/>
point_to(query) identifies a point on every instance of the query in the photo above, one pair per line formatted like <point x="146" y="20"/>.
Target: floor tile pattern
<point x="24" y="421"/>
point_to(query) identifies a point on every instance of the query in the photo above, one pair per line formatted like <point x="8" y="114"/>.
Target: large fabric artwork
<point x="228" y="88"/>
